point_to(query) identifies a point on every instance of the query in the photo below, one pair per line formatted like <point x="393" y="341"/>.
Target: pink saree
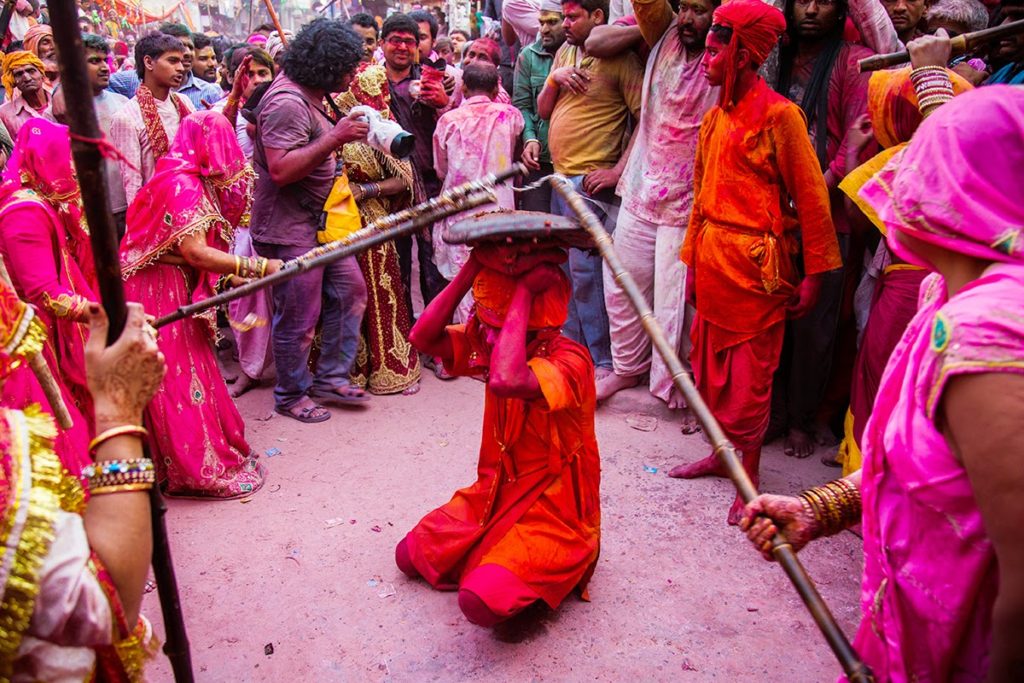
<point x="44" y="242"/>
<point x="203" y="186"/>
<point x="930" y="572"/>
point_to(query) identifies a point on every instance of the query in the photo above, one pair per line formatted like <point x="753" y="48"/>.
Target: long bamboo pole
<point x="276" y="21"/>
<point x="854" y="668"/>
<point x="89" y="164"/>
<point x="961" y="44"/>
<point x="455" y="200"/>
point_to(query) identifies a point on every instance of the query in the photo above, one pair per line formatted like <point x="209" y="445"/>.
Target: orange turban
<point x="15" y="60"/>
<point x="892" y="104"/>
<point x="493" y="290"/>
<point x="894" y="113"/>
<point x="756" y="26"/>
<point x="34" y="35"/>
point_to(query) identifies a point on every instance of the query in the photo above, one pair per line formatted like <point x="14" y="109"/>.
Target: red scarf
<point x="151" y="118"/>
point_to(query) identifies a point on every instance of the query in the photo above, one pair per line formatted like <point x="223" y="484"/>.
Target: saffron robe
<point x="534" y="508"/>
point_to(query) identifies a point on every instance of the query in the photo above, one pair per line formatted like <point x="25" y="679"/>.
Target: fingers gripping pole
<point x="854" y="668"/>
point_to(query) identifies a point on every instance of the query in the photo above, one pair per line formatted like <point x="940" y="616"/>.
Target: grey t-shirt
<point x="288" y="119"/>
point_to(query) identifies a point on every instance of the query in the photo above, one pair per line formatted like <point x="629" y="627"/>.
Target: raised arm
<point x="429" y="335"/>
<point x="653" y="17"/>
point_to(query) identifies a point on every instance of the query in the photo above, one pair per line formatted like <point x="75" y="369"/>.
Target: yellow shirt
<point x="589" y="131"/>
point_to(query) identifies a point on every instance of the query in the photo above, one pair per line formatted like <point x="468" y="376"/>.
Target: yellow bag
<point x="341" y="215"/>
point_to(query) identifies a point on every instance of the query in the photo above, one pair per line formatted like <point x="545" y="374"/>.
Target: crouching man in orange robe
<point x="528" y="529"/>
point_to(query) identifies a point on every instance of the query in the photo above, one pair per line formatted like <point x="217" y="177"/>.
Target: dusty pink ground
<point x="677" y="595"/>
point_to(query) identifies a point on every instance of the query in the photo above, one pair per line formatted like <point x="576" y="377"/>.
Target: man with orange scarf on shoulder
<point x="528" y="529"/>
<point x="759" y="199"/>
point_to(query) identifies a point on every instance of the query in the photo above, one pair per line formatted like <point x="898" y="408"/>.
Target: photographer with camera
<point x="382" y="182"/>
<point x="294" y="158"/>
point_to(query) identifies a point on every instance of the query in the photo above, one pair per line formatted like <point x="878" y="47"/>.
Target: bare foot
<point x="735" y="512"/>
<point x="690" y="423"/>
<point x="611" y="383"/>
<point x="708" y="467"/>
<point x="243" y="385"/>
<point x="798" y="444"/>
<point x="831" y="459"/>
<point x="414" y="389"/>
<point x="823" y="436"/>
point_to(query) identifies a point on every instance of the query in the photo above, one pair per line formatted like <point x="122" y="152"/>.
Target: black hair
<point x="815" y="98"/>
<point x="479" y="77"/>
<point x="420" y="16"/>
<point x="322" y="54"/>
<point x="152" y="46"/>
<point x="267" y="26"/>
<point x="201" y="41"/>
<point x="230" y="59"/>
<point x="91" y="41"/>
<point x="399" y="23"/>
<point x="365" y="20"/>
<point x="464" y="34"/>
<point x="14" y="46"/>
<point x="220" y="44"/>
<point x="591" y="6"/>
<point x="177" y="30"/>
<point x="261" y="57"/>
<point x="723" y="33"/>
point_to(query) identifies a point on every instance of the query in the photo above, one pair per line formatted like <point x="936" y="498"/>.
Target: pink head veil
<point x="954" y="184"/>
<point x="202" y="183"/>
<point x="40" y="166"/>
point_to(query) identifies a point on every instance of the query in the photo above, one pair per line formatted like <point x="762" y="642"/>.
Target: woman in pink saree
<point x="174" y="253"/>
<point x="942" y="593"/>
<point x="44" y="241"/>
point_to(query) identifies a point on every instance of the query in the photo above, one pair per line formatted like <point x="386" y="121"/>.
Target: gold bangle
<point x="238" y="265"/>
<point x="119" y="488"/>
<point x="123" y="430"/>
<point x="262" y="262"/>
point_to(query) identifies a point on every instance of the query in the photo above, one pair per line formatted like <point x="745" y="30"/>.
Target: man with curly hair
<point x="294" y="157"/>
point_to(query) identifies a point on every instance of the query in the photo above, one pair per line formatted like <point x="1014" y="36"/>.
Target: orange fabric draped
<point x="742" y="239"/>
<point x="534" y="508"/>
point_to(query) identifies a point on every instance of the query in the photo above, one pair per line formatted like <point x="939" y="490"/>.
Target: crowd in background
<point x="741" y="203"/>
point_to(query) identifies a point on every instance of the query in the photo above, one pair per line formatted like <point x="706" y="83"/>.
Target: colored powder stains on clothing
<point x="756" y="183"/>
<point x="588" y="131"/>
<point x="657" y="181"/>
<point x="535" y="507"/>
<point x="476" y="139"/>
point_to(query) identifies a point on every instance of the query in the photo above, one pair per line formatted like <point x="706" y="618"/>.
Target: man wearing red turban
<point x="759" y="199"/>
<point x="528" y="529"/>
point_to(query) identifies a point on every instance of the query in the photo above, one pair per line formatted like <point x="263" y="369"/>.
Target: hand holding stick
<point x="781" y="549"/>
<point x="962" y="44"/>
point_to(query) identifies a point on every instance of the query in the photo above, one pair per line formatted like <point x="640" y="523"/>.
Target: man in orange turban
<point x="759" y="199"/>
<point x="22" y="71"/>
<point x="528" y="529"/>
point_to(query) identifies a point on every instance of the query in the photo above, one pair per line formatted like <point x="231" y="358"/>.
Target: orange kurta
<point x="759" y="199"/>
<point x="534" y="508"/>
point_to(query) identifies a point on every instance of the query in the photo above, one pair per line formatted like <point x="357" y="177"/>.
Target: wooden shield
<point x="515" y="226"/>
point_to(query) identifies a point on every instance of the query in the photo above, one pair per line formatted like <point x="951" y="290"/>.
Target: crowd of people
<point x="835" y="255"/>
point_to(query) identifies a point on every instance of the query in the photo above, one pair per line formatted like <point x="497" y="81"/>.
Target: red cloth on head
<point x="756" y="26"/>
<point x="493" y="290"/>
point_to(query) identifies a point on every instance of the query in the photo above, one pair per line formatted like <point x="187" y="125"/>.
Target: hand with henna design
<point x="767" y="515"/>
<point x="124" y="376"/>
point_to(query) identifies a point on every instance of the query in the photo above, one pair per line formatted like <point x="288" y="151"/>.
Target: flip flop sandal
<point x="305" y="415"/>
<point x="337" y="397"/>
